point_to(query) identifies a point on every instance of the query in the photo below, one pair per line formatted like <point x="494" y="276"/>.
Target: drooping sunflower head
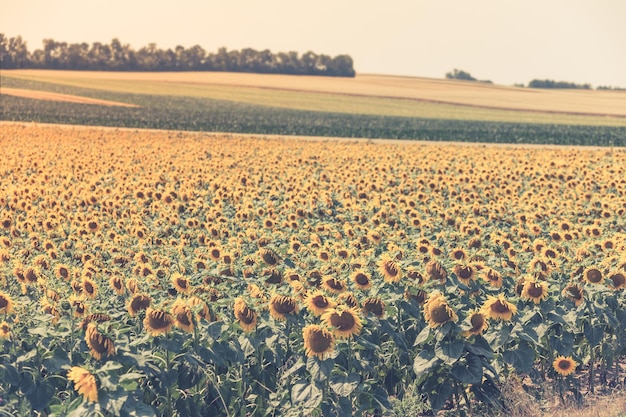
<point x="534" y="290"/>
<point x="374" y="305"/>
<point x="333" y="285"/>
<point x="90" y="288"/>
<point x="157" y="321"/>
<point x="478" y="323"/>
<point x="6" y="304"/>
<point x="348" y="299"/>
<point x="437" y="312"/>
<point x="361" y="279"/>
<point x="493" y="277"/>
<point x="465" y="272"/>
<point x="246" y="316"/>
<point x="116" y="282"/>
<point x="281" y="305"/>
<point x="318" y="341"/>
<point x="498" y="308"/>
<point x="592" y="275"/>
<point x="183" y="316"/>
<point x="269" y="256"/>
<point x="618" y="280"/>
<point x="564" y="365"/>
<point x="416" y="276"/>
<point x="436" y="271"/>
<point x="575" y="293"/>
<point x="344" y="320"/>
<point x="84" y="383"/>
<point x="318" y="303"/>
<point x="138" y="303"/>
<point x="389" y="269"/>
<point x="5" y="330"/>
<point x="99" y="344"/>
<point x="418" y="295"/>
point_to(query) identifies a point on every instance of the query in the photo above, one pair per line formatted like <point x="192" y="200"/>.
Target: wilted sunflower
<point x="536" y="291"/>
<point x="318" y="303"/>
<point x="318" y="341"/>
<point x="84" y="383"/>
<point x="280" y="306"/>
<point x="498" y="308"/>
<point x="5" y="330"/>
<point x="180" y="283"/>
<point x="618" y="279"/>
<point x="138" y="303"/>
<point x="374" y="305"/>
<point x="574" y="292"/>
<point x="344" y="320"/>
<point x="99" y="345"/>
<point x="6" y="303"/>
<point x="362" y="280"/>
<point x="389" y="269"/>
<point x="157" y="322"/>
<point x="564" y="365"/>
<point x="592" y="275"/>
<point x="245" y="315"/>
<point x="417" y="295"/>
<point x="183" y="317"/>
<point x="117" y="284"/>
<point x="436" y="271"/>
<point x="479" y="324"/>
<point x="437" y="312"/>
<point x="333" y="285"/>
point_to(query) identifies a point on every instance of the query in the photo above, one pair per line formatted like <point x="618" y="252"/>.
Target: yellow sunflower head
<point x="84" y="383"/>
<point x="437" y="312"/>
<point x="318" y="341"/>
<point x="593" y="275"/>
<point x="333" y="285"/>
<point x="344" y="320"/>
<point x="318" y="303"/>
<point x="246" y="316"/>
<point x="536" y="291"/>
<point x="361" y="280"/>
<point x="478" y="322"/>
<point x="374" y="305"/>
<point x="575" y="293"/>
<point x="389" y="269"/>
<point x="281" y="305"/>
<point x="6" y="304"/>
<point x="181" y="283"/>
<point x="5" y="330"/>
<point x="183" y="316"/>
<point x="564" y="365"/>
<point x="157" y="321"/>
<point x="99" y="344"/>
<point x="498" y="308"/>
<point x="618" y="280"/>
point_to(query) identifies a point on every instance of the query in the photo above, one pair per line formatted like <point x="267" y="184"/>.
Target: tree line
<point x="116" y="56"/>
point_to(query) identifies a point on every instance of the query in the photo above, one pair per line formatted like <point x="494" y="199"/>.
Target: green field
<point x="191" y="106"/>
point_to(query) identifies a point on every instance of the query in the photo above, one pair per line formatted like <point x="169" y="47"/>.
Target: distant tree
<point x="459" y="75"/>
<point x="556" y="84"/>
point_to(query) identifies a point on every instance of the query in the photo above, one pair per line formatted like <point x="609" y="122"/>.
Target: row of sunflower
<point x="154" y="273"/>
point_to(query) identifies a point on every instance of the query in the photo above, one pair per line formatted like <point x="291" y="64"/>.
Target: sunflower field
<point x="160" y="273"/>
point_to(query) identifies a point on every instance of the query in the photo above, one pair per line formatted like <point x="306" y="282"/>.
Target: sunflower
<point x="182" y="314"/>
<point x="436" y="271"/>
<point x="280" y="306"/>
<point x="458" y="254"/>
<point x="318" y="303"/>
<point x="575" y="293"/>
<point x="269" y="257"/>
<point x="90" y="288"/>
<point x="479" y="324"/>
<point x="389" y="269"/>
<point x="592" y="275"/>
<point x="84" y="383"/>
<point x="536" y="291"/>
<point x="180" y="283"/>
<point x="6" y="304"/>
<point x="465" y="273"/>
<point x="99" y="345"/>
<point x="132" y="286"/>
<point x="374" y="305"/>
<point x="362" y="280"/>
<point x="62" y="271"/>
<point x="618" y="279"/>
<point x="5" y="330"/>
<point x="200" y="307"/>
<point x="498" y="308"/>
<point x="318" y="341"/>
<point x="245" y="315"/>
<point x="157" y="321"/>
<point x="493" y="277"/>
<point x="333" y="285"/>
<point x="419" y="296"/>
<point x="117" y="284"/>
<point x="138" y="303"/>
<point x="564" y="365"/>
<point x="347" y="298"/>
<point x="415" y="276"/>
<point x="437" y="312"/>
<point x="31" y="275"/>
<point x="344" y="320"/>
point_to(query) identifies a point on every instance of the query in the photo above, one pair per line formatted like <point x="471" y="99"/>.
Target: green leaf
<point x="521" y="358"/>
<point x="593" y="334"/>
<point x="306" y="395"/>
<point x="319" y="370"/>
<point x="449" y="351"/>
<point x="382" y="397"/>
<point x="480" y="347"/>
<point x="343" y="385"/>
<point x="438" y="398"/>
<point x="422" y="336"/>
<point x="468" y="370"/>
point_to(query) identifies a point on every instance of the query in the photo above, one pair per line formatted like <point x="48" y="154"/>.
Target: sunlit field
<point x="170" y="273"/>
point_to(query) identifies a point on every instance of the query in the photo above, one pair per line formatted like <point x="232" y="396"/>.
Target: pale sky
<point x="506" y="41"/>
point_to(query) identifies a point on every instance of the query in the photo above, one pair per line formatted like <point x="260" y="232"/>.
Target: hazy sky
<point x="506" y="41"/>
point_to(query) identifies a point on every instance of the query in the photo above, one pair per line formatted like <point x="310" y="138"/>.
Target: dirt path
<point x="45" y="95"/>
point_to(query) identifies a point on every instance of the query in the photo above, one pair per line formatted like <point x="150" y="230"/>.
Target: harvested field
<point x="46" y="95"/>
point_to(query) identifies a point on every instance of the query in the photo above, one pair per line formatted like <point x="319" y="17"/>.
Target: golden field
<point x="170" y="273"/>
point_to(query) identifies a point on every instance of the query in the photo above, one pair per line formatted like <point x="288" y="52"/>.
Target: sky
<point x="505" y="41"/>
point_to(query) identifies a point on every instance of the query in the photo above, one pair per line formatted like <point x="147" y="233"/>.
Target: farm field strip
<point x="428" y="102"/>
<point x="185" y="273"/>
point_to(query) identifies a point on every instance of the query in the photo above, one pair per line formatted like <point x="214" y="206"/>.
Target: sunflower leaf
<point x="449" y="351"/>
<point x="468" y="370"/>
<point x="343" y="385"/>
<point x="521" y="358"/>
<point x="308" y="396"/>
